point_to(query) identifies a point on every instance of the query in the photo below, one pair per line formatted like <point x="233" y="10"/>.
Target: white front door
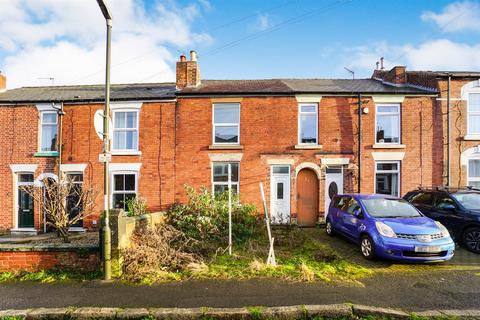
<point x="280" y="195"/>
<point x="333" y="184"/>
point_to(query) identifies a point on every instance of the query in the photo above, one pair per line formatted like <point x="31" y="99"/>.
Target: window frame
<point x="214" y="125"/>
<point x="41" y="134"/>
<point x="399" y="113"/>
<point x="225" y="183"/>
<point x="476" y="157"/>
<point x="398" y="171"/>
<point x="299" y="122"/>
<point x="137" y="129"/>
<point x="112" y="189"/>
<point x="469" y="113"/>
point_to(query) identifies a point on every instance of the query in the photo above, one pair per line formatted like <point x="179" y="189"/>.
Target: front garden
<point x="193" y="243"/>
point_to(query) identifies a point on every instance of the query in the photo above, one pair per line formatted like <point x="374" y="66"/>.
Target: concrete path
<point x="408" y="291"/>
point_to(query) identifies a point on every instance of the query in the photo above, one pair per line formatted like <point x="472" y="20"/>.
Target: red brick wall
<point x="45" y="260"/>
<point x="269" y="130"/>
<point x="458" y="129"/>
<point x="174" y="141"/>
<point x="18" y="143"/>
<point x="156" y="142"/>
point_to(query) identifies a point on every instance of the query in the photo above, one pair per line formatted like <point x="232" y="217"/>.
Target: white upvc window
<point x="48" y="131"/>
<point x="124" y="187"/>
<point x="473" y="111"/>
<point x="226" y="123"/>
<point x="473" y="170"/>
<point x="125" y="131"/>
<point x="388" y="128"/>
<point x="387" y="177"/>
<point x="308" y="124"/>
<point x="220" y="176"/>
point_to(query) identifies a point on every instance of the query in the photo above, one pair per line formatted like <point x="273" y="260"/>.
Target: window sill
<point x="471" y="137"/>
<point x="47" y="154"/>
<point x="225" y="147"/>
<point x="308" y="146"/>
<point x="126" y="153"/>
<point x="388" y="146"/>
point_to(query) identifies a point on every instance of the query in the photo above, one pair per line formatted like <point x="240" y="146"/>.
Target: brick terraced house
<point x="304" y="139"/>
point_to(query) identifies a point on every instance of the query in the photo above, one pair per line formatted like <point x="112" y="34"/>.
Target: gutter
<point x="359" y="142"/>
<point x="448" y="132"/>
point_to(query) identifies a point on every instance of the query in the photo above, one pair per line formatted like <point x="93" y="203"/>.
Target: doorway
<point x="307" y="198"/>
<point x="280" y="195"/>
<point x="25" y="213"/>
<point x="333" y="184"/>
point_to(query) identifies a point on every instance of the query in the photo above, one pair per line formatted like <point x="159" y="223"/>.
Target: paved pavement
<point x="410" y="291"/>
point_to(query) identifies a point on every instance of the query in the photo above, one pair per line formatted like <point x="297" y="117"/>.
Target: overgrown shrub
<point x="156" y="249"/>
<point x="205" y="219"/>
<point x="136" y="206"/>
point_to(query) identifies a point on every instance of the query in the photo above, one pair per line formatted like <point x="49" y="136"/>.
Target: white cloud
<point x="441" y="54"/>
<point x="66" y="40"/>
<point x="264" y="21"/>
<point x="457" y="16"/>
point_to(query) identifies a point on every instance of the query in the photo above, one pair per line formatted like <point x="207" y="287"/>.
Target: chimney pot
<point x="183" y="58"/>
<point x="193" y="55"/>
<point x="381" y="64"/>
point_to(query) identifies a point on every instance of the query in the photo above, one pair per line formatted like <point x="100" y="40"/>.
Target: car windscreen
<point x="390" y="208"/>
<point x="471" y="201"/>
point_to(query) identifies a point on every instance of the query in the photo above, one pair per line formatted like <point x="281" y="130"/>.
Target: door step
<point x="24" y="232"/>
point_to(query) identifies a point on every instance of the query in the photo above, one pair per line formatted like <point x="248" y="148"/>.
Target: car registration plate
<point x="428" y="249"/>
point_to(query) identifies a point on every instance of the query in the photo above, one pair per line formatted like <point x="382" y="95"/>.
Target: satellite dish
<point x="98" y="124"/>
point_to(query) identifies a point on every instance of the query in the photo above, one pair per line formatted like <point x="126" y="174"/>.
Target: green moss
<point x="48" y="276"/>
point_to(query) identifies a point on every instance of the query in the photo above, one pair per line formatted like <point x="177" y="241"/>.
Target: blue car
<point x="388" y="227"/>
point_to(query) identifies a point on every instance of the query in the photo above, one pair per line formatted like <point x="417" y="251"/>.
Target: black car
<point x="458" y="209"/>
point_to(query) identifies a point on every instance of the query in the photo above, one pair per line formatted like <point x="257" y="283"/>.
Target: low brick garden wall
<point x="36" y="257"/>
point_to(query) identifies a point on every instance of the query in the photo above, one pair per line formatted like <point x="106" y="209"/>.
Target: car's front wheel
<point x="471" y="239"/>
<point x="328" y="228"/>
<point x="367" y="248"/>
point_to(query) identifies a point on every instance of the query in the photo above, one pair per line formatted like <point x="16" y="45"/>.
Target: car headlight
<point x="443" y="230"/>
<point x="385" y="230"/>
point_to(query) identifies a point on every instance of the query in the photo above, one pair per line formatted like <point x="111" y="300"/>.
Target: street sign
<point x="105" y="157"/>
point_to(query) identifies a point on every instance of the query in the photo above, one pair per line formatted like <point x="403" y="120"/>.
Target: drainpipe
<point x="448" y="132"/>
<point x="359" y="143"/>
<point x="61" y="113"/>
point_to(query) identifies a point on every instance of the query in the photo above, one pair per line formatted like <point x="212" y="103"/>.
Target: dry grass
<point x="157" y="251"/>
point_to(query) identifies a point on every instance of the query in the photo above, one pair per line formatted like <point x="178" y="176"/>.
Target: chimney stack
<point x="188" y="72"/>
<point x="3" y="82"/>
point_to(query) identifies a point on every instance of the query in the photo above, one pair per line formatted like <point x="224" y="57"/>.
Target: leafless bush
<point x="158" y="248"/>
<point x="59" y="199"/>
